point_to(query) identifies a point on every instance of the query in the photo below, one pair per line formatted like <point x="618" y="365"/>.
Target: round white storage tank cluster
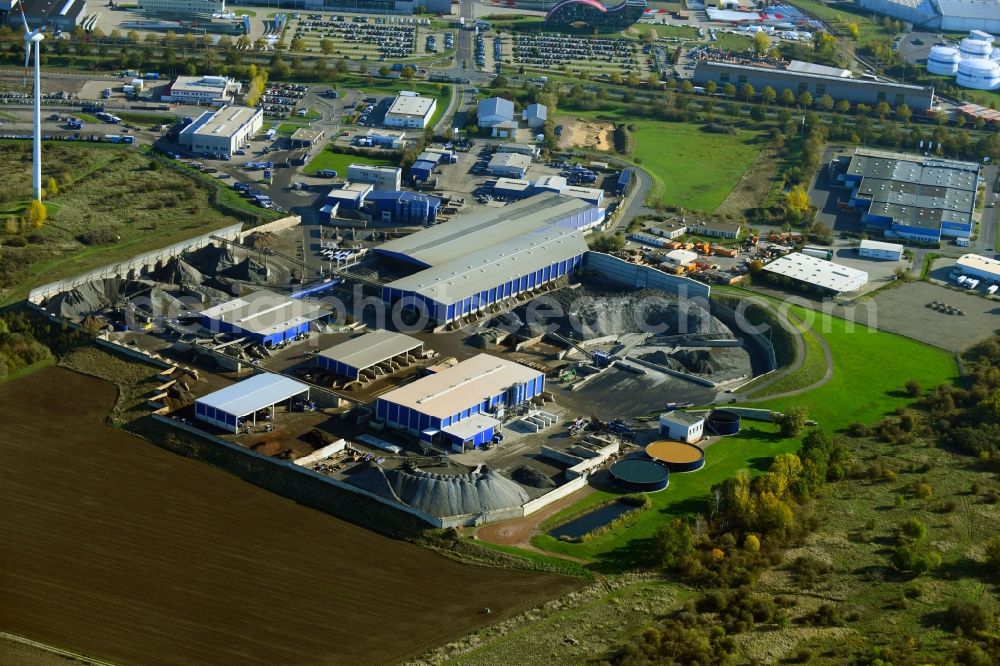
<point x="979" y="74"/>
<point x="975" y="48"/>
<point x="943" y="60"/>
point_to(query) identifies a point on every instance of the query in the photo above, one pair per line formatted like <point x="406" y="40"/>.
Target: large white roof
<point x="819" y="272"/>
<point x="980" y="263"/>
<point x="461" y="386"/>
<point x="225" y="122"/>
<point x="252" y="394"/>
<point x="371" y="348"/>
<point x="264" y="312"/>
<point x="483" y="229"/>
<point x="408" y="105"/>
<point x="484" y="250"/>
<point x="881" y="245"/>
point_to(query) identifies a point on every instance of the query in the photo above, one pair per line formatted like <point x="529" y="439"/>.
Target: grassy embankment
<point x="112" y="204"/>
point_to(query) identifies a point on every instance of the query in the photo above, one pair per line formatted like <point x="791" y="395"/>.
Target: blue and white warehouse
<point x="370" y="355"/>
<point x="918" y="198"/>
<point x="461" y="406"/>
<point x="487" y="257"/>
<point x="264" y="316"/>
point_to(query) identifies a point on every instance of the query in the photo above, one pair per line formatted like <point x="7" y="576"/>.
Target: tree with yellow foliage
<point x="51" y="187"/>
<point x="797" y="201"/>
<point x="37" y="214"/>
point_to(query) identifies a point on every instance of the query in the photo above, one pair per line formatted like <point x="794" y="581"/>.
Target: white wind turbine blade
<point x="27" y="45"/>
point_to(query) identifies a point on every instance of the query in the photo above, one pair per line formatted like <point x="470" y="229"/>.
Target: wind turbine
<point x="35" y="37"/>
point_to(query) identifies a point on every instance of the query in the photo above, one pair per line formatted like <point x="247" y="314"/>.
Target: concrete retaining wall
<point x="134" y="266"/>
<point x="277" y="225"/>
<point x="675" y="373"/>
<point x="557" y="494"/>
<point x="622" y="272"/>
<point x="137" y="354"/>
<point x="299" y="484"/>
<point x="560" y="456"/>
<point x="225" y="361"/>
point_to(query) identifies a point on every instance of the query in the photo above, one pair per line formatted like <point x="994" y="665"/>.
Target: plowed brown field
<point x="114" y="548"/>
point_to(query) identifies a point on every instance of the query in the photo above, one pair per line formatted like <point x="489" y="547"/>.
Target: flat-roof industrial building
<point x="918" y="98"/>
<point x="264" y="316"/>
<point x="213" y="90"/>
<point x="410" y="110"/>
<point x="53" y="14"/>
<point x="484" y="258"/>
<point x="228" y="407"/>
<point x="461" y="406"/>
<point x="382" y="177"/>
<point x="372" y="354"/>
<point x="222" y="132"/>
<point x="512" y="165"/>
<point x="818" y="272"/>
<point x="979" y="266"/>
<point x="185" y="8"/>
<point x="910" y="196"/>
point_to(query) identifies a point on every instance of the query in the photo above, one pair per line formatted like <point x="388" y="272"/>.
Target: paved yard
<point x="904" y="310"/>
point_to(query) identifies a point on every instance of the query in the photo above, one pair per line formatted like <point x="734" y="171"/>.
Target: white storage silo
<point x="943" y="60"/>
<point x="975" y="48"/>
<point x="979" y="74"/>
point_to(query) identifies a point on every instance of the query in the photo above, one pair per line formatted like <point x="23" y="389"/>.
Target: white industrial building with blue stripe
<point x="462" y="406"/>
<point x="485" y="258"/>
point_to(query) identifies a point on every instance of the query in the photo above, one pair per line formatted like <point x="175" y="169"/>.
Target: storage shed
<point x="228" y="407"/>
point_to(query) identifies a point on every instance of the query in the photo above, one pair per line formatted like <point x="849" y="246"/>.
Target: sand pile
<point x="529" y="476"/>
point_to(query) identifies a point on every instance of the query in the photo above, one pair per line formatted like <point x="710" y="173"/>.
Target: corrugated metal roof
<point x="264" y="312"/>
<point x="252" y="394"/>
<point x="483" y="229"/>
<point x="371" y="348"/>
<point x="496" y="106"/>
<point x="459" y="387"/>
<point x="481" y="271"/>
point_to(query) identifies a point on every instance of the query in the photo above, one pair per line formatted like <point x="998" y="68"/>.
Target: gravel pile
<point x="588" y="313"/>
<point x="442" y="494"/>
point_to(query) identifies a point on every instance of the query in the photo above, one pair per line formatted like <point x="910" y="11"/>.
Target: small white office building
<point x="871" y="249"/>
<point x="681" y="426"/>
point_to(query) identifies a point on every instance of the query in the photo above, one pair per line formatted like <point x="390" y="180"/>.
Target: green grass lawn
<point x="89" y="225"/>
<point x="869" y="29"/>
<point x="812" y="370"/>
<point x="697" y="170"/>
<point x="690" y="167"/>
<point x="860" y="390"/>
<point x="146" y="119"/>
<point x="327" y="159"/>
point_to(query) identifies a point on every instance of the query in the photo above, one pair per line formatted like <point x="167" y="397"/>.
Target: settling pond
<point x="592" y="520"/>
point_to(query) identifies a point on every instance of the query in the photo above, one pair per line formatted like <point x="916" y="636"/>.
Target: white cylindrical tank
<point x="943" y="60"/>
<point x="975" y="48"/>
<point x="996" y="54"/>
<point x="979" y="74"/>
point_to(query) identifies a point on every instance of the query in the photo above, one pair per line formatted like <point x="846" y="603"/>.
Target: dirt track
<point x="122" y="551"/>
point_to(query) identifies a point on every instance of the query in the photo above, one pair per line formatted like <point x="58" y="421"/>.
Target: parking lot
<point x="596" y="56"/>
<point x="281" y="99"/>
<point x="907" y="309"/>
<point x="379" y="38"/>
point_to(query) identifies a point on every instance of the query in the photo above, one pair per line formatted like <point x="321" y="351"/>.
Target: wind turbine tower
<point x="34" y="38"/>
